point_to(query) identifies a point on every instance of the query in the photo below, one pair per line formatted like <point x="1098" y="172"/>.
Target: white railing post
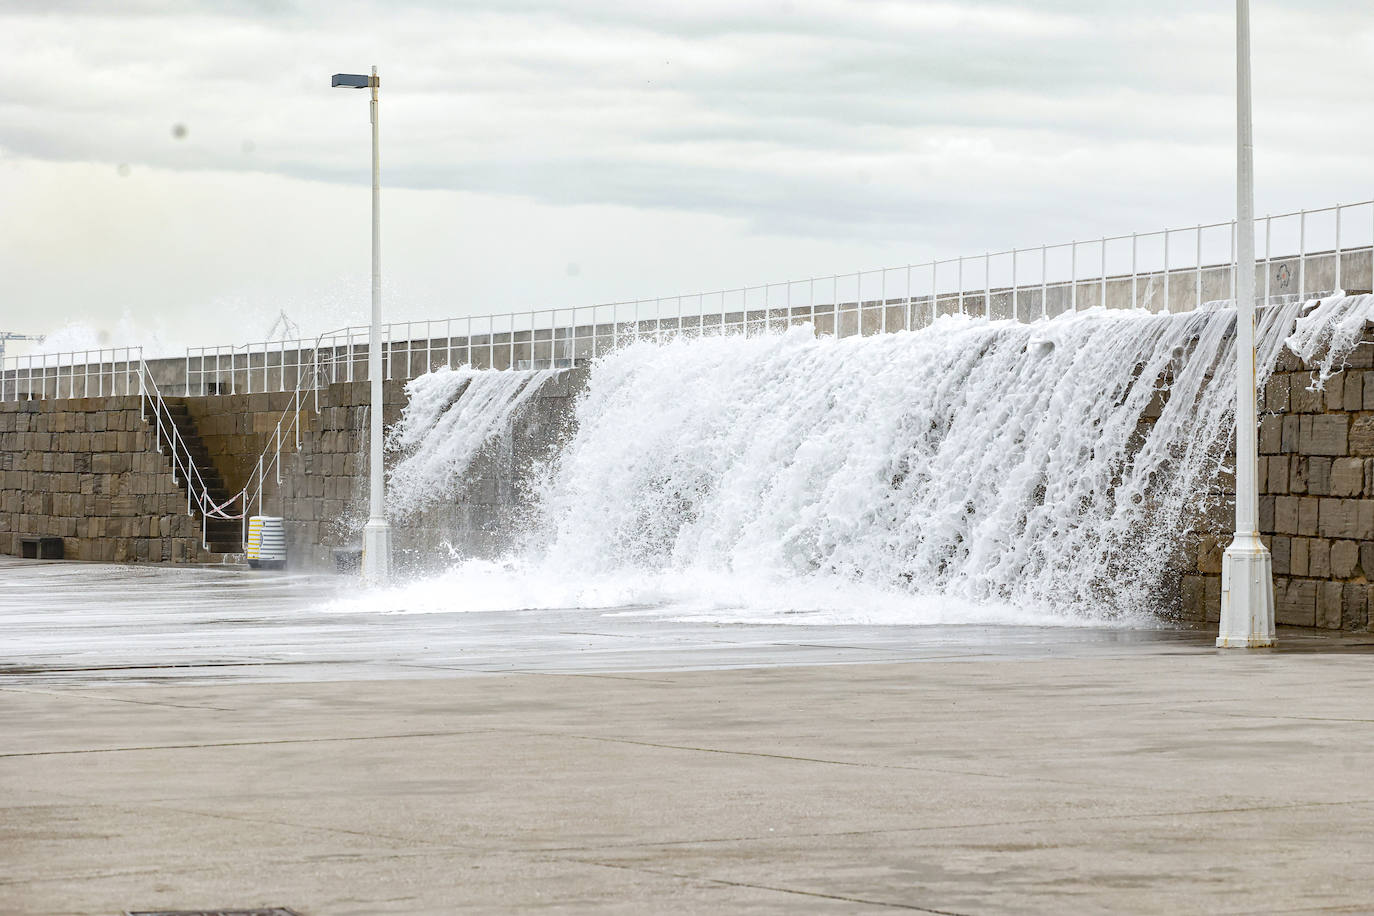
<point x="1044" y="284"/>
<point x="1015" y="290"/>
<point x="1103" y="293"/>
<point x="908" y="316"/>
<point x="1198" y="277"/>
<point x="1268" y="268"/>
<point x="1073" y="276"/>
<point x="987" y="285"/>
<point x="961" y="284"/>
<point x="1338" y="248"/>
<point x="1302" y="254"/>
<point x="1166" y="272"/>
<point x="1134" y="286"/>
<point x="934" y="295"/>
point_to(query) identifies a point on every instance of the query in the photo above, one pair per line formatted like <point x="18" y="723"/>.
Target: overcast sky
<point x="540" y="153"/>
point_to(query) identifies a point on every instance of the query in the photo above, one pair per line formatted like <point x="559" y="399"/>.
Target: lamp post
<point x="1247" y="574"/>
<point x="377" y="531"/>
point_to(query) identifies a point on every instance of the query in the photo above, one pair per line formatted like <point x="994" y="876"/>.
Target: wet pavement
<point x="177" y="739"/>
<point x="87" y="623"/>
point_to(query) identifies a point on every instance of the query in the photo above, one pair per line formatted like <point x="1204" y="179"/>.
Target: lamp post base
<point x="377" y="552"/>
<point x="1247" y="595"/>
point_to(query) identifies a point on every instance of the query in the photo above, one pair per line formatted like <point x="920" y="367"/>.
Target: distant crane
<point x="284" y="328"/>
<point x="10" y="335"/>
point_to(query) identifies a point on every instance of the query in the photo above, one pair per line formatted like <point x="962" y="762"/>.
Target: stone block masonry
<point x="88" y="471"/>
<point x="1316" y="483"/>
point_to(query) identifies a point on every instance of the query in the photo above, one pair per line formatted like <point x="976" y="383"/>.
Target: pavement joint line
<point x="175" y="809"/>
<point x="608" y="677"/>
<point x="775" y="889"/>
<point x="1261" y="715"/>
<point x="85" y="695"/>
<point x="819" y="645"/>
<point x="96" y="876"/>
<point x="1333" y="908"/>
<point x="543" y="673"/>
<point x="268" y="741"/>
<point x="844" y="763"/>
<point x="9" y="881"/>
<point x="367" y="834"/>
<point x="982" y="825"/>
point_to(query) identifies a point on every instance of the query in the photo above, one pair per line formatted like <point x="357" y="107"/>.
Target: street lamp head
<point x="354" y="81"/>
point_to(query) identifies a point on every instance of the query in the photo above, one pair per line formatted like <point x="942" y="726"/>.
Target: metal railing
<point x="1328" y="248"/>
<point x="288" y="426"/>
<point x="110" y="372"/>
<point x="198" y="496"/>
<point x="1170" y="269"/>
<point x="1333" y="251"/>
<point x="183" y="462"/>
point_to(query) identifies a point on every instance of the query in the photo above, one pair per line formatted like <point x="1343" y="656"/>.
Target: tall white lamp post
<point x="377" y="531"/>
<point x="1247" y="573"/>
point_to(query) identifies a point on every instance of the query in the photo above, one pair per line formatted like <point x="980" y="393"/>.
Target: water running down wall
<point x="971" y="471"/>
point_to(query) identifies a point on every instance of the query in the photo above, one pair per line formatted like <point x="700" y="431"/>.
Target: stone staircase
<point x="225" y="536"/>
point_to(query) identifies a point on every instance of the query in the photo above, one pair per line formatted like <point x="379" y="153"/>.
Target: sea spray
<point x="1327" y="330"/>
<point x="972" y="471"/>
<point x="449" y="417"/>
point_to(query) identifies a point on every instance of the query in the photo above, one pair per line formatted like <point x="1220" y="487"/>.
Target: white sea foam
<point x="1328" y="330"/>
<point x="450" y="415"/>
<point x="974" y="471"/>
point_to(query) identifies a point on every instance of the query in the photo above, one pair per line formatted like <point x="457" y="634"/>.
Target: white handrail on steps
<point x="197" y="491"/>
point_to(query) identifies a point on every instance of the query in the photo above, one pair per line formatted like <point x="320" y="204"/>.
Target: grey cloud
<point x="686" y="106"/>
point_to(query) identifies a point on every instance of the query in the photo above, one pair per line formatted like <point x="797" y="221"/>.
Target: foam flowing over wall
<point x="972" y="471"/>
<point x="450" y="415"/>
<point x="1327" y="331"/>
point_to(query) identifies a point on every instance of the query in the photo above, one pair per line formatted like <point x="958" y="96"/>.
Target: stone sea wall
<point x="88" y="471"/>
<point x="1316" y="507"/>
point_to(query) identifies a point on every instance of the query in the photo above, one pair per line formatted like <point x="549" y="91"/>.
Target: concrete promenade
<point x="1156" y="777"/>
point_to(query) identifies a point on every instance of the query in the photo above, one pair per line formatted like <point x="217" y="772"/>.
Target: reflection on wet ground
<point x="83" y="623"/>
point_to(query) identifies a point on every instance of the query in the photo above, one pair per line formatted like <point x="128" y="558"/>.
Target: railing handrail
<point x="391" y="327"/>
<point x="197" y="491"/>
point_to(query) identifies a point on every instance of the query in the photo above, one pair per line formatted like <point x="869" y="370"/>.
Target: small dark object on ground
<point x="36" y="548"/>
<point x="348" y="559"/>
